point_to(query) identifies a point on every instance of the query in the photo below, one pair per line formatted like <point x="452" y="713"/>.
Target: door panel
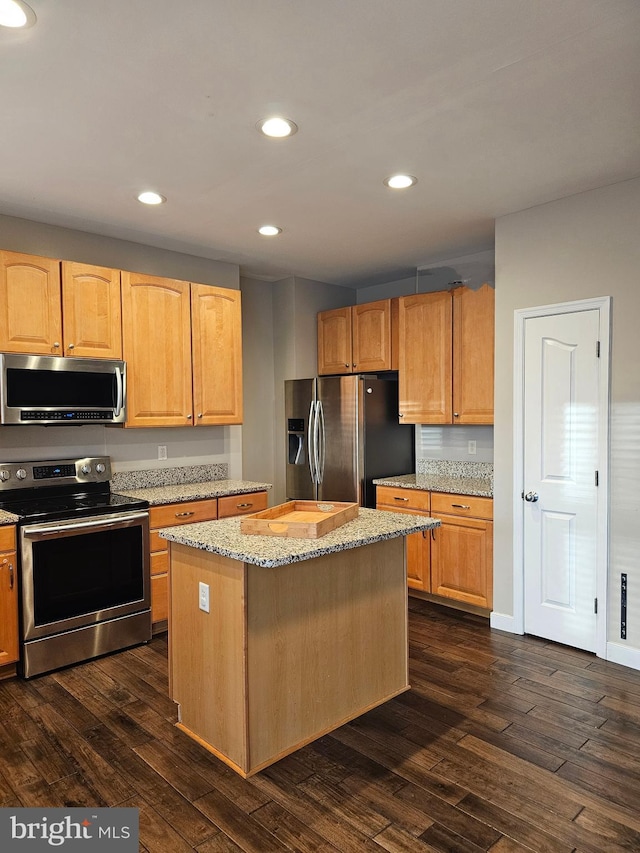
<point x="338" y="398"/>
<point x="561" y="415"/>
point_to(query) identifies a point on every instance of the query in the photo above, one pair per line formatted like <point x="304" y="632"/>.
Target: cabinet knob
<point x="71" y="346"/>
<point x="56" y="344"/>
<point x="400" y="415"/>
<point x="199" y="414"/>
<point x="346" y="365"/>
<point x="189" y="417"/>
<point x="354" y="365"/>
<point x="456" y="415"/>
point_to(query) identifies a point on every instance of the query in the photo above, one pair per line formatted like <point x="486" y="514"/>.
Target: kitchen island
<point x="298" y="636"/>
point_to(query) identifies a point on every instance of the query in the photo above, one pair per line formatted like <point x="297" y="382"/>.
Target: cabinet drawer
<point x="7" y="538"/>
<point x="465" y="505"/>
<point x="156" y="542"/>
<point x="159" y="563"/>
<point x="241" y="504"/>
<point x="159" y="598"/>
<point x="391" y="497"/>
<point x="169" y="515"/>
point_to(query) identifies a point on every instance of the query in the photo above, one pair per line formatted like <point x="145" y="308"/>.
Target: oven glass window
<point x="85" y="573"/>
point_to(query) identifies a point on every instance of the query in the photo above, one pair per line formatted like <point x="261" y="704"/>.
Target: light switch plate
<point x="471" y="448"/>
<point x="162" y="451"/>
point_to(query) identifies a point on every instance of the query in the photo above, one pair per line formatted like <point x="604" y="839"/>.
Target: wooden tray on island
<point x="299" y="519"/>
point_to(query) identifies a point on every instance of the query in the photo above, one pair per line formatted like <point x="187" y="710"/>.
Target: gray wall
<point x="128" y="448"/>
<point x="583" y="246"/>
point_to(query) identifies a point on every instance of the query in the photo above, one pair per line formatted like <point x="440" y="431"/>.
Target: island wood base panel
<point x="291" y="749"/>
<point x="285" y="654"/>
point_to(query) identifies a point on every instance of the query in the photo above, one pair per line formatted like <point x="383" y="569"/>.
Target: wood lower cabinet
<point x="358" y="338"/>
<point x="455" y="560"/>
<point x="187" y="512"/>
<point x="8" y="597"/>
<point x="462" y="549"/>
<point x="414" y="502"/>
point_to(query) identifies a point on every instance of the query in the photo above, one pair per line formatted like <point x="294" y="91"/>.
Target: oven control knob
<point x="4" y="475"/>
<point x="86" y="469"/>
<point x="100" y="468"/>
<point x="21" y="474"/>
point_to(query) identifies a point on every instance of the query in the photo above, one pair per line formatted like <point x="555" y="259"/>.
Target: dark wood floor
<point x="504" y="743"/>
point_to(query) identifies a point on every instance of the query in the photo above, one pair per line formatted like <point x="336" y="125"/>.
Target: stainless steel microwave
<point x="40" y="389"/>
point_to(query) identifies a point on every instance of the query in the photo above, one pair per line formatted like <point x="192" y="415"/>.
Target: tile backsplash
<point x="452" y="443"/>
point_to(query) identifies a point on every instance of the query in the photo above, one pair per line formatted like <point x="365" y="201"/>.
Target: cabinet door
<point x="334" y="341"/>
<point x="91" y="311"/>
<point x="425" y="359"/>
<point x="462" y="560"/>
<point x="473" y="355"/>
<point x="418" y="546"/>
<point x="8" y="597"/>
<point x="371" y="330"/>
<point x="30" y="309"/>
<point x="217" y="355"/>
<point x="157" y="348"/>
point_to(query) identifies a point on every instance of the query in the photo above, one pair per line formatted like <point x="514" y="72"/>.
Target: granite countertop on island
<point x="224" y="537"/>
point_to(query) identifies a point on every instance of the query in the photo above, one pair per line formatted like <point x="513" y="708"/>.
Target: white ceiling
<point x="495" y="105"/>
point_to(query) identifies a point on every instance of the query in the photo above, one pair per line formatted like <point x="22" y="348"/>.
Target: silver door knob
<point x="532" y="497"/>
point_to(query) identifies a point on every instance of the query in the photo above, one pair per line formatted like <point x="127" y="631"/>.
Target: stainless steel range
<point x="84" y="574"/>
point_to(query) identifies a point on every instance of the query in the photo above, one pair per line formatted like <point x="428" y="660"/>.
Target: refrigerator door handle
<point x="320" y="441"/>
<point x="311" y="442"/>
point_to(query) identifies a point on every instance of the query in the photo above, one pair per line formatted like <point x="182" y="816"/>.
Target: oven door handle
<point x="71" y="528"/>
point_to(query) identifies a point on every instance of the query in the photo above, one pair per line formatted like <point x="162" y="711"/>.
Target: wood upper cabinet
<point x="49" y="308"/>
<point x="8" y="596"/>
<point x="91" y="311"/>
<point x="183" y="347"/>
<point x="473" y="354"/>
<point x="462" y="549"/>
<point x="217" y="355"/>
<point x="446" y="352"/>
<point x="425" y="358"/>
<point x="156" y="330"/>
<point x="356" y="339"/>
<point x="30" y="306"/>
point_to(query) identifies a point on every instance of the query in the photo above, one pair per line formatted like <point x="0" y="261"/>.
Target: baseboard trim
<point x="502" y="622"/>
<point x="617" y="653"/>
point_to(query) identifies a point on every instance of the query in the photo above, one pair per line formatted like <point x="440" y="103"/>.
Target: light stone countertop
<point x="8" y="517"/>
<point x="181" y="492"/>
<point x="480" y="487"/>
<point x="224" y="537"/>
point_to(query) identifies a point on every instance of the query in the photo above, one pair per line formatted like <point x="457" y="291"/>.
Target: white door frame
<point x="603" y="305"/>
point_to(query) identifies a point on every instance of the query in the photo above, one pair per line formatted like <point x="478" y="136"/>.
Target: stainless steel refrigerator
<point x="342" y="433"/>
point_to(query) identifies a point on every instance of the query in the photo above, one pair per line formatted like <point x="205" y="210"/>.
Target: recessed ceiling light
<point x="150" y="197"/>
<point x="276" y="127"/>
<point x="400" y="182"/>
<point x="15" y="13"/>
<point x="269" y="230"/>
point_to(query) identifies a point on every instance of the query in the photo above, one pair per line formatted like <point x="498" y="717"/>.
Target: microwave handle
<point x="119" y="394"/>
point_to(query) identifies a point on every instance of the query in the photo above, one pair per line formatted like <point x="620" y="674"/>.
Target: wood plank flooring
<point x="505" y="744"/>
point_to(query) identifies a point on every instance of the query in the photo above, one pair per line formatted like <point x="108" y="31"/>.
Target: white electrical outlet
<point x="162" y="451"/>
<point x="471" y="448"/>
<point x="203" y="596"/>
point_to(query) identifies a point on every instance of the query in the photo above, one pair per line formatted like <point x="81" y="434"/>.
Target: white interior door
<point x="561" y="426"/>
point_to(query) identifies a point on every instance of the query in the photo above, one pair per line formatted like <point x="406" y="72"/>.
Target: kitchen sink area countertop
<point x="456" y="478"/>
<point x="224" y="537"/>
<point x="177" y="485"/>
